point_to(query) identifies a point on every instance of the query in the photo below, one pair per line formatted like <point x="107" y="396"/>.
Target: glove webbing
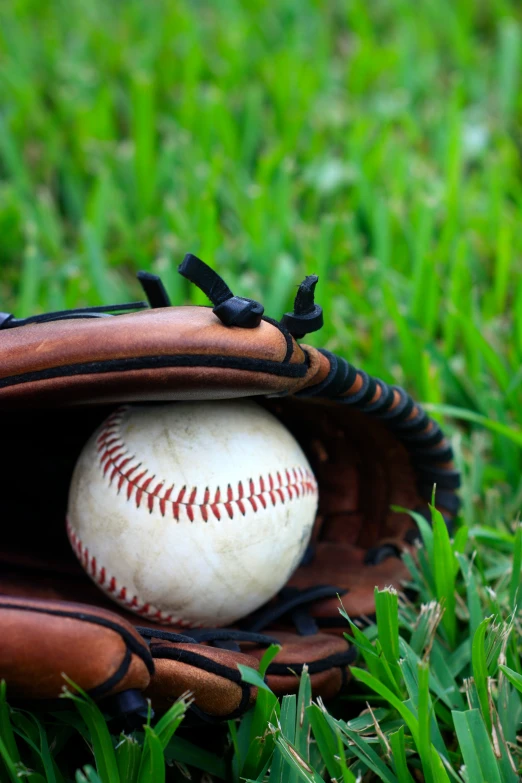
<point x="419" y="434"/>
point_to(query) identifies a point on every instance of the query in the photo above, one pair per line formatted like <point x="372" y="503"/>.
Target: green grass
<point x="375" y="143"/>
<point x="443" y="704"/>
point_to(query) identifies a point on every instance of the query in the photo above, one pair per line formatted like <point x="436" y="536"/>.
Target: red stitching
<point x="119" y="592"/>
<point x="295" y="482"/>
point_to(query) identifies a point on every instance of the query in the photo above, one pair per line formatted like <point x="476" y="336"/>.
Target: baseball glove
<point x="370" y="446"/>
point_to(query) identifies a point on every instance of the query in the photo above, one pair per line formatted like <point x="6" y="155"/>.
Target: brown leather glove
<point x="369" y="444"/>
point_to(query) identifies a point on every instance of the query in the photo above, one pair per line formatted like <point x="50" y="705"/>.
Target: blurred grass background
<point x="377" y="144"/>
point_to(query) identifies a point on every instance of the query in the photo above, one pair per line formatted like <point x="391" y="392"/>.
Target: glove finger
<point x="210" y="674"/>
<point x="42" y="639"/>
<point x="213" y="677"/>
<point x="327" y="658"/>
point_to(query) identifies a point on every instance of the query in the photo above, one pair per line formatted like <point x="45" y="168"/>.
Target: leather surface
<point x="41" y="639"/>
<point x="215" y="692"/>
<point x="65" y="377"/>
<point x="161" y="385"/>
<point x="219" y="693"/>
<point x="136" y="357"/>
<point x="162" y="332"/>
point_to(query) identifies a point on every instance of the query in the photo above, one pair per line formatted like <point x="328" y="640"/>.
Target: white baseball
<point x="191" y="513"/>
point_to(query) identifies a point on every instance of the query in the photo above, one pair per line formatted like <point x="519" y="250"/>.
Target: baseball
<point x="191" y="513"/>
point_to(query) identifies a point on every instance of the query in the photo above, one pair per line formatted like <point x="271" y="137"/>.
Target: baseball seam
<point x="143" y="487"/>
<point x="118" y="592"/>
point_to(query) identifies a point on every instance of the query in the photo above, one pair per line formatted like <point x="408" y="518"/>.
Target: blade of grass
<point x="443" y="566"/>
<point x="180" y="749"/>
<point x="387" y="616"/>
<point x="398" y="746"/>
<point x="106" y="763"/>
<point x="143" y="113"/>
<point x="171" y="720"/>
<point x="480" y="670"/>
<point x="326" y="740"/>
<point x="514" y="677"/>
<point x="364" y="751"/>
<point x="128" y="757"/>
<point x="152" y="765"/>
<point x="511" y="433"/>
<point x="302" y="724"/>
<point x="508" y="67"/>
<point x="296" y="763"/>
<point x="408" y="717"/>
<point x="516" y="580"/>
<point x="424" y="717"/>
<point x="474" y="743"/>
<point x="279" y="771"/>
<point x="255" y="741"/>
<point x="10" y="765"/>
<point x="6" y="729"/>
<point x="87" y="775"/>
